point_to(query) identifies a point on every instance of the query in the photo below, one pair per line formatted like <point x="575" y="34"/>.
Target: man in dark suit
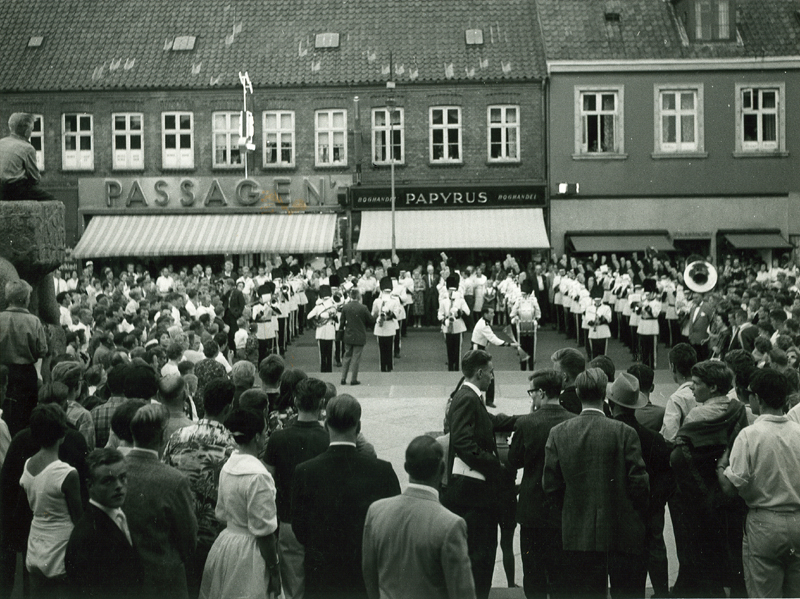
<point x="541" y="290"/>
<point x="330" y="497"/>
<point x="234" y="307"/>
<point x="569" y="362"/>
<point x="540" y="522"/>
<point x="356" y="317"/>
<point x="474" y="468"/>
<point x="594" y="470"/>
<point x="160" y="508"/>
<point x="699" y="319"/>
<point x="413" y="546"/>
<point x="743" y="334"/>
<point x="101" y="560"/>
<point x="430" y="296"/>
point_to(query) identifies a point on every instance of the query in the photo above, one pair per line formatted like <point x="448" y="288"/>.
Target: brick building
<point x="139" y="123"/>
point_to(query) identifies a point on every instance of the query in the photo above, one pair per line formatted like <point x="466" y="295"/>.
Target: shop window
<point x="225" y="134"/>
<point x="599" y="122"/>
<point x="331" y="137"/>
<point x="445" y="134"/>
<point x="177" y="130"/>
<point x="760" y="117"/>
<point x="278" y="138"/>
<point x="127" y="141"/>
<point x="503" y="133"/>
<point x="679" y="119"/>
<point x="386" y="133"/>
<point x="78" y="142"/>
<point x="37" y="140"/>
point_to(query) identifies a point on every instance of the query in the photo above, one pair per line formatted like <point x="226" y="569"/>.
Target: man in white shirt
<point x="165" y="283"/>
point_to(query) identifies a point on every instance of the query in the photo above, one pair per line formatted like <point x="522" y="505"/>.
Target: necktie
<point x="122" y="522"/>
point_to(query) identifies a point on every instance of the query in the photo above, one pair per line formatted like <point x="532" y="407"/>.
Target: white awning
<point x="482" y="228"/>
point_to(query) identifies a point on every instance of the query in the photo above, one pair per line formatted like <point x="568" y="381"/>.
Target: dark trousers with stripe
<point x="453" y="343"/>
<point x="385" y="350"/>
<point x="647" y="350"/>
<point x="325" y="355"/>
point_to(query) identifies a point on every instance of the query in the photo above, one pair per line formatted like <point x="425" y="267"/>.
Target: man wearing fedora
<point x="625" y="398"/>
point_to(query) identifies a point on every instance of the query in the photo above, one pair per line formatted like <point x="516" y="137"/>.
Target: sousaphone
<point x="700" y="276"/>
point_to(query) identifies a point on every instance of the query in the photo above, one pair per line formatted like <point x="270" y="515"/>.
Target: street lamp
<point x="391" y="103"/>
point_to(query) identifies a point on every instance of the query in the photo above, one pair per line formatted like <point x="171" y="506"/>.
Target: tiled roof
<point x="648" y="29"/>
<point x="124" y="44"/>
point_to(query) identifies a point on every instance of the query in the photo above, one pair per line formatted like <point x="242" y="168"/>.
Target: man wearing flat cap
<point x="19" y="175"/>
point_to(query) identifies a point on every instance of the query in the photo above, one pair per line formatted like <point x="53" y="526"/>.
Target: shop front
<point x="247" y="219"/>
<point x="472" y="222"/>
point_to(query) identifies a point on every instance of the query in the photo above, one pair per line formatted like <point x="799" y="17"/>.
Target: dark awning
<point x="758" y="241"/>
<point x="620" y="242"/>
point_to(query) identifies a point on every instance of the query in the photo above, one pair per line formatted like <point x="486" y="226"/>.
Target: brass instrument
<point x="328" y="314"/>
<point x="700" y="276"/>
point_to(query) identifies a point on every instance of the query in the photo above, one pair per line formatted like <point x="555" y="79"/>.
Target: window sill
<point x="761" y="154"/>
<point x="503" y="162"/>
<point x="600" y="156"/>
<point x="225" y="168"/>
<point x="77" y="170"/>
<point x="441" y="164"/>
<point x="331" y="166"/>
<point x="678" y="155"/>
<point x="127" y="170"/>
<point x="178" y="169"/>
<point x="279" y="167"/>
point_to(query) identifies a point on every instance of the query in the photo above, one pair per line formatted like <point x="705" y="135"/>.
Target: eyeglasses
<point x="533" y="392"/>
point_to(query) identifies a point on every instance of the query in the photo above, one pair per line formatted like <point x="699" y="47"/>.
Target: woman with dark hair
<point x="283" y="413"/>
<point x="243" y="561"/>
<point x="53" y="491"/>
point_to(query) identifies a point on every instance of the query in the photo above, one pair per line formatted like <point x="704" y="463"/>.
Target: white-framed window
<point x="502" y="127"/>
<point x="225" y="135"/>
<point x="445" y="134"/>
<point x="127" y="141"/>
<point x="678" y="119"/>
<point x="278" y="138"/>
<point x="386" y="134"/>
<point x="712" y="20"/>
<point x="599" y="121"/>
<point x="37" y="140"/>
<point x="177" y="140"/>
<point x="760" y="118"/>
<point x="77" y="142"/>
<point x="331" y="137"/>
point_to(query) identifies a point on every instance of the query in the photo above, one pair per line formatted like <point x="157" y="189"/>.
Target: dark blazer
<point x="527" y="450"/>
<point x="698" y="329"/>
<point x="569" y="400"/>
<point x="331" y="494"/>
<point x="100" y="562"/>
<point x="656" y="453"/>
<point x="160" y="511"/>
<point x="745" y="338"/>
<point x="593" y="468"/>
<point x="472" y="439"/>
<point x="356" y="318"/>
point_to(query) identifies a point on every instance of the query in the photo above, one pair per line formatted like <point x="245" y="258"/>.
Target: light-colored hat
<point x="625" y="392"/>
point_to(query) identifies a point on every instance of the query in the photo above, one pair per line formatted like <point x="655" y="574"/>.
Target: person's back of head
<point x="210" y="349"/>
<point x="254" y="399"/>
<point x="682" y="357"/>
<point x="140" y="381"/>
<point x="270" y="370"/>
<point x="53" y="393"/>
<point x="590" y="385"/>
<point x="343" y="415"/>
<point x="148" y="426"/>
<point x="243" y="374"/>
<point x="174" y="351"/>
<point x="245" y="425"/>
<point x="289" y="381"/>
<point x="121" y="419"/>
<point x="70" y="373"/>
<point x="778" y="315"/>
<point x="310" y="394"/>
<point x="605" y="364"/>
<point x="171" y="390"/>
<point x="48" y="424"/>
<point x="222" y="340"/>
<point x="570" y="361"/>
<point x="644" y="374"/>
<point x="185" y="367"/>
<point x="20" y="122"/>
<point x="424" y="461"/>
<point x="18" y="293"/>
<point x="548" y="380"/>
<point x="771" y="388"/>
<point x="218" y="395"/>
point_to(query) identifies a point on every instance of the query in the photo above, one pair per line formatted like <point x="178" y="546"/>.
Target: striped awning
<point x="484" y="228"/>
<point x="198" y="234"/>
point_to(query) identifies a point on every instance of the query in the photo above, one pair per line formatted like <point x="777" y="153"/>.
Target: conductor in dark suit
<point x="355" y="320"/>
<point x="540" y="289"/>
<point x="699" y="319"/>
<point x="234" y="307"/>
<point x="594" y="470"/>
<point x="474" y="468"/>
<point x="101" y="561"/>
<point x="331" y="494"/>
<point x="430" y="296"/>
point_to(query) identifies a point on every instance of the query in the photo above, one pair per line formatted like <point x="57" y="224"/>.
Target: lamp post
<point x="391" y="102"/>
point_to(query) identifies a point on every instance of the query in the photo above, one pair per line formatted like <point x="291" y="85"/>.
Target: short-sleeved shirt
<point x="22" y="337"/>
<point x="678" y="406"/>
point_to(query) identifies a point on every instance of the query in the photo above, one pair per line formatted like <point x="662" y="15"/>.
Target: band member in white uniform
<point x="598" y="317"/>
<point x="525" y="315"/>
<point x="482" y="335"/>
<point x="324" y="316"/>
<point x="648" y="324"/>
<point x="265" y="315"/>
<point x="384" y="311"/>
<point x="451" y="309"/>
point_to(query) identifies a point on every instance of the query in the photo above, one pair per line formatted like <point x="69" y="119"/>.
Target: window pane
<point x="589" y="102"/>
<point x="136" y="122"/>
<point x="687" y="101"/>
<point x="169" y="142"/>
<point x="119" y="142"/>
<point x="494" y="115"/>
<point x="750" y="127"/>
<point x="120" y="123"/>
<point x="86" y="142"/>
<point x="219" y="156"/>
<point x="668" y="129"/>
<point x="71" y="122"/>
<point x="452" y="136"/>
<point x="397" y="117"/>
<point x="495" y="135"/>
<point x="511" y="116"/>
<point x="608" y="102"/>
<point x="687" y="129"/>
<point x="286" y="153"/>
<point x="86" y="123"/>
<point x="591" y="134"/>
<point x="380" y="118"/>
<point x="607" y="124"/>
<point x="338" y="120"/>
<point x="220" y="139"/>
<point x="169" y="121"/>
<point x="236" y="157"/>
<point x="36" y="142"/>
<point x="323" y="120"/>
<point x="453" y="151"/>
<point x="37" y="124"/>
<point x="746" y="98"/>
<point x="511" y="144"/>
<point x="70" y="143"/>
<point x="219" y="122"/>
<point x="437" y="117"/>
<point x="136" y="142"/>
<point x="452" y="116"/>
<point x="186" y="141"/>
<point x="286" y="121"/>
<point x="769" y="127"/>
<point x="271" y="121"/>
<point x="186" y="121"/>
<point x="768" y="99"/>
<point x="338" y="139"/>
<point x="235" y="121"/>
<point x="668" y="101"/>
<point x="438" y="136"/>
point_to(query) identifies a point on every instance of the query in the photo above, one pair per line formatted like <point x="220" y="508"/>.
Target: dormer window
<point x="713" y="20"/>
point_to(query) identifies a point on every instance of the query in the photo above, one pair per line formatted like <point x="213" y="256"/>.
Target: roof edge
<point x="675" y="64"/>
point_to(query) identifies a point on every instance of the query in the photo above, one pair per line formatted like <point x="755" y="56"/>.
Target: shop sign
<point x="691" y="234"/>
<point x="447" y="196"/>
<point x="260" y="193"/>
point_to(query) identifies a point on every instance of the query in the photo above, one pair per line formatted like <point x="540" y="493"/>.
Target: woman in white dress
<point x="53" y="491"/>
<point x="243" y="562"/>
